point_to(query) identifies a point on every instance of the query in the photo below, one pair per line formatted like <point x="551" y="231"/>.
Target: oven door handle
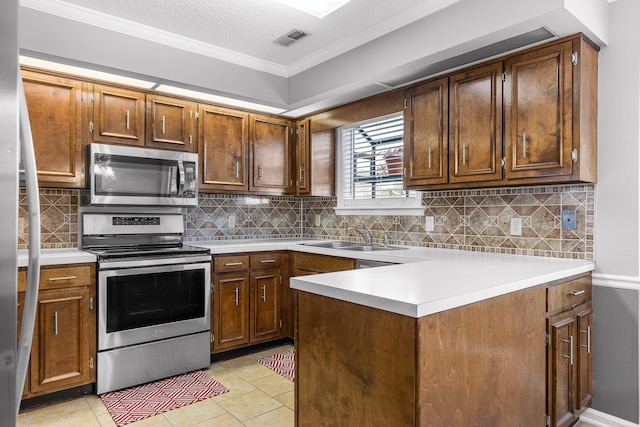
<point x="180" y="178"/>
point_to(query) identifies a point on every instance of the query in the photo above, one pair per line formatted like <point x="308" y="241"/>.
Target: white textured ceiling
<point x="249" y="27"/>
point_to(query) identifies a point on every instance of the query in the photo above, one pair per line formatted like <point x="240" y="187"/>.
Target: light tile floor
<point x="257" y="396"/>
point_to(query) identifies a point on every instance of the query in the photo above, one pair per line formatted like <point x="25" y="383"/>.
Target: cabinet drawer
<point x="58" y="277"/>
<point x="314" y="264"/>
<point x="225" y="264"/>
<point x="568" y="294"/>
<point x="265" y="260"/>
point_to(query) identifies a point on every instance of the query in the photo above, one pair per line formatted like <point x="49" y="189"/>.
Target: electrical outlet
<point x="569" y="220"/>
<point x="429" y="223"/>
<point x="317" y="221"/>
<point x="516" y="226"/>
<point x="231" y="221"/>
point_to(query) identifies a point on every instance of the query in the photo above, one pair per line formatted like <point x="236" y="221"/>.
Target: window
<point x="370" y="169"/>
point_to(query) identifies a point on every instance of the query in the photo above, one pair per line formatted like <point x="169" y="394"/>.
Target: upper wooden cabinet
<point x="270" y="156"/>
<point x="475" y="124"/>
<point x="222" y="139"/>
<point x="426" y="151"/>
<point x="551" y="112"/>
<point x="171" y="123"/>
<point x="303" y="165"/>
<point x="55" y="107"/>
<point x="548" y="98"/>
<point x="118" y="116"/>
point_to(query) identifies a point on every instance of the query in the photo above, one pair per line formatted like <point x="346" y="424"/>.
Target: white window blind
<point x="371" y="165"/>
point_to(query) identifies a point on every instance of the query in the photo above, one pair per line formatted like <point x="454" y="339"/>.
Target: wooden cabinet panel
<point x="222" y="139"/>
<point x="56" y="115"/>
<point x="59" y="357"/>
<point x="270" y="155"/>
<point x="265" y="260"/>
<point x="303" y="158"/>
<point x="231" y="310"/>
<point x="561" y="329"/>
<point x="118" y="115"/>
<point x="265" y="305"/>
<point x="475" y="133"/>
<point x="229" y="263"/>
<point x="584" y="361"/>
<point x="305" y="264"/>
<point x="566" y="295"/>
<point x="539" y="112"/>
<point x="426" y="134"/>
<point x="171" y="123"/>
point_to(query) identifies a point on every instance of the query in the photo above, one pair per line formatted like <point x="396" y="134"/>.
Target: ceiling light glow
<point x="317" y="8"/>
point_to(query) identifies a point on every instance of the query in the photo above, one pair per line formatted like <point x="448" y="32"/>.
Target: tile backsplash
<point x="472" y="220"/>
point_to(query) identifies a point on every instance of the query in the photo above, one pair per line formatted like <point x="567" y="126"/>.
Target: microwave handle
<point x="180" y="177"/>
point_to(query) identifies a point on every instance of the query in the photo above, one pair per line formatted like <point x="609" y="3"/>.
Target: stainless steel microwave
<point x="137" y="176"/>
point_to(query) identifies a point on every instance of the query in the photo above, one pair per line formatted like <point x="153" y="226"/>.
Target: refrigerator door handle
<point x="33" y="272"/>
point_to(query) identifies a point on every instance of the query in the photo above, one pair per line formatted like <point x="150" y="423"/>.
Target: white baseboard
<point x="600" y="419"/>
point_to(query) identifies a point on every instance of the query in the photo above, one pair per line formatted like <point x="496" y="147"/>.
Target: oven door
<point x="139" y="305"/>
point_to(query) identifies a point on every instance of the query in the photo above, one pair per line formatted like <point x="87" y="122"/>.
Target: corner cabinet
<point x="63" y="352"/>
<point x="222" y="138"/>
<point x="569" y="344"/>
<point x="55" y="105"/>
<point x="270" y="155"/>
<point x="246" y="306"/>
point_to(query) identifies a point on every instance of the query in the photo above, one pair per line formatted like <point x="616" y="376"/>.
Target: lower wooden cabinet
<point x="63" y="352"/>
<point x="246" y="307"/>
<point x="569" y="358"/>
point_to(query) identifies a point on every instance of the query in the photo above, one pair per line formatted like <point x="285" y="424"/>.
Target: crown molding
<point x="123" y="26"/>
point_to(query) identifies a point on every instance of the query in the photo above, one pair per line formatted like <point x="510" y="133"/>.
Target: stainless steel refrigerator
<point x="15" y="141"/>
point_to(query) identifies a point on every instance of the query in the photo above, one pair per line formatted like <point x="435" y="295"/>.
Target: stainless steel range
<point x="153" y="296"/>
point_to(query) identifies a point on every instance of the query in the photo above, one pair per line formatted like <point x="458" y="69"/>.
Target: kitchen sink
<point x="351" y="246"/>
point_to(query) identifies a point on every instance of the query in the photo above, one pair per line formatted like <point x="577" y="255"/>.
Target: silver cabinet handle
<point x="237" y="296"/>
<point x="301" y="174"/>
<point x="259" y="172"/>
<point x="53" y="279"/>
<point x="589" y="339"/>
<point x="55" y="323"/>
<point x="524" y="145"/>
<point x="570" y="356"/>
<point x="576" y="293"/>
<point x="429" y="158"/>
<point x="267" y="261"/>
<point x="128" y="114"/>
<point x="237" y="169"/>
<point x="163" y="125"/>
<point x="464" y="153"/>
<point x="232" y="264"/>
<point x="264" y="293"/>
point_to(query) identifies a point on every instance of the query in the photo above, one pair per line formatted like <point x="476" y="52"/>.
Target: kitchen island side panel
<point x="355" y="365"/>
<point x="484" y="364"/>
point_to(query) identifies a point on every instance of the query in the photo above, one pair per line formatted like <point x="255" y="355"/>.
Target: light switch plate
<point x="569" y="220"/>
<point x="429" y="223"/>
<point x="231" y="221"/>
<point x="516" y="226"/>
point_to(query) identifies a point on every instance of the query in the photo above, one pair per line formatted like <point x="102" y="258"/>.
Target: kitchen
<point x="614" y="229"/>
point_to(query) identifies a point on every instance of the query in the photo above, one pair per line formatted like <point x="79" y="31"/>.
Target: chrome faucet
<point x="366" y="235"/>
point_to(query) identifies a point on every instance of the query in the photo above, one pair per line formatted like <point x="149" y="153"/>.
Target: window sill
<point x="390" y="211"/>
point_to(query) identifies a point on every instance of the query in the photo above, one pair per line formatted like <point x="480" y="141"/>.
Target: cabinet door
<point x="303" y="158"/>
<point x="171" y="123"/>
<point x="538" y="113"/>
<point x="118" y="115"/>
<point x="475" y="124"/>
<point x="61" y="355"/>
<point x="265" y="305"/>
<point x="426" y="134"/>
<point x="561" y="358"/>
<point x="222" y="139"/>
<point x="55" y="113"/>
<point x="231" y="310"/>
<point x="584" y="363"/>
<point x="270" y="155"/>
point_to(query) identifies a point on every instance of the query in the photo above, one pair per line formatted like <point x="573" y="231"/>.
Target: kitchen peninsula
<point x="457" y="339"/>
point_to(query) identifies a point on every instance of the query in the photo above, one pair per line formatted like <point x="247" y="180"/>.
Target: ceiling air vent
<point x="291" y="37"/>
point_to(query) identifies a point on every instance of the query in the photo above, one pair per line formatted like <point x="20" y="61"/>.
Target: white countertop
<point x="427" y="281"/>
<point x="57" y="256"/>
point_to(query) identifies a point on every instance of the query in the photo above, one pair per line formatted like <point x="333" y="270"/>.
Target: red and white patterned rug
<point x="143" y="401"/>
<point x="282" y="363"/>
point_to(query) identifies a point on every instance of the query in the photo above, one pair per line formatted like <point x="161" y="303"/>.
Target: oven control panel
<point x="135" y="220"/>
